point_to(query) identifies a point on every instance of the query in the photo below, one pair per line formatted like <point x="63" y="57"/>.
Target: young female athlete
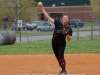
<point x="59" y="39"/>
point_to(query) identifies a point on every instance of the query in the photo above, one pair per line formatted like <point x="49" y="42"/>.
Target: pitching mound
<point x="86" y="64"/>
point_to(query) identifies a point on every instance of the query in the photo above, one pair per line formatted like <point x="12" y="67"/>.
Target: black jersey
<point x="57" y="35"/>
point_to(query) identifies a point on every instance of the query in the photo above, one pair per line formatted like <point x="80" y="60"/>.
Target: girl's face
<point x="65" y="19"/>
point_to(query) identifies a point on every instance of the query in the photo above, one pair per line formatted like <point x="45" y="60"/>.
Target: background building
<point x="66" y="2"/>
<point x="75" y="9"/>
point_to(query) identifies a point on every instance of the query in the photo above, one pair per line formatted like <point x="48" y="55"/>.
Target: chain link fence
<point x="90" y="31"/>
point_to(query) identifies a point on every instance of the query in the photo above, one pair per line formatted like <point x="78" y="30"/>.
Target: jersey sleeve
<point x="57" y="23"/>
<point x="71" y="31"/>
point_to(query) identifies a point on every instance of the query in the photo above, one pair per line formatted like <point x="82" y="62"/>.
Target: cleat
<point x="63" y="72"/>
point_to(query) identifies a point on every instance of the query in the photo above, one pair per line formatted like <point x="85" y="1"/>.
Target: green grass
<point x="44" y="47"/>
<point x="9" y="27"/>
<point x="83" y="47"/>
<point x="32" y="33"/>
<point x="89" y="37"/>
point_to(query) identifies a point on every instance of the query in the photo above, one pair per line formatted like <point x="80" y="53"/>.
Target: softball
<point x="39" y="4"/>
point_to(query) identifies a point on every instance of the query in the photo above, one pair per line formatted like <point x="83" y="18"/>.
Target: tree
<point x="95" y="5"/>
<point x="18" y="9"/>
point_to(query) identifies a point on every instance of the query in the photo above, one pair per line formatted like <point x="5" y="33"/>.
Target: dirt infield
<point x="86" y="64"/>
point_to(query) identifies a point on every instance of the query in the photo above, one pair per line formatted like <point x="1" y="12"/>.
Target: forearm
<point x="47" y="16"/>
<point x="45" y="13"/>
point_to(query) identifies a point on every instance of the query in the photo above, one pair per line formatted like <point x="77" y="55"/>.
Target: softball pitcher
<point x="62" y="32"/>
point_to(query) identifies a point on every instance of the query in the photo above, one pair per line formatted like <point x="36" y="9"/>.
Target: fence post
<point x="92" y="30"/>
<point x="99" y="28"/>
<point x="77" y="31"/>
<point x="27" y="35"/>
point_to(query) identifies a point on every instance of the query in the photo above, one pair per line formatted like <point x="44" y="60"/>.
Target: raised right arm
<point x="46" y="15"/>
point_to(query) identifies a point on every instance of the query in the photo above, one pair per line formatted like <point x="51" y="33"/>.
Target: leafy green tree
<point x="95" y="5"/>
<point x="18" y="9"/>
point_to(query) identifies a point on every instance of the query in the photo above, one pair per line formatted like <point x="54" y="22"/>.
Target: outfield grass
<point x="89" y="37"/>
<point x="32" y="33"/>
<point x="44" y="47"/>
<point x="9" y="27"/>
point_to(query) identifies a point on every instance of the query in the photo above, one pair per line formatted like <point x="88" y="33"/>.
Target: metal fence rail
<point x="91" y="31"/>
